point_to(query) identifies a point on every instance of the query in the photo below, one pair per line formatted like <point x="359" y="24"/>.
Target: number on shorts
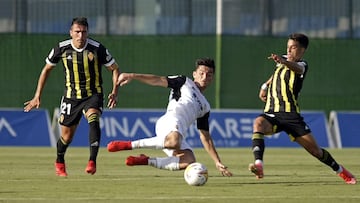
<point x="65" y="108"/>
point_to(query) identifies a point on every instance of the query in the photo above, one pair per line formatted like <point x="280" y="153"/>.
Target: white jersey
<point x="186" y="105"/>
<point x="186" y="102"/>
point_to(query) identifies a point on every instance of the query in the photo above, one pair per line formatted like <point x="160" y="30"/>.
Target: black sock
<point x="94" y="139"/>
<point x="258" y="146"/>
<point x="329" y="160"/>
<point x="61" y="147"/>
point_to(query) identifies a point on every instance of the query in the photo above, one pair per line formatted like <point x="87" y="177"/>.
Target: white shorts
<point x="166" y="124"/>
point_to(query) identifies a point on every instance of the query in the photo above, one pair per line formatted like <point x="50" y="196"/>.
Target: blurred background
<point x="166" y="36"/>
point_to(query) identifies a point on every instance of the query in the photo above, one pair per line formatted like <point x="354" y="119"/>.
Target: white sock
<point x="169" y="163"/>
<point x="153" y="142"/>
<point x="339" y="170"/>
<point x="258" y="161"/>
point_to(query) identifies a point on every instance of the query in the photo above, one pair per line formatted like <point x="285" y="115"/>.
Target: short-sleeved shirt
<point x="82" y="67"/>
<point x="284" y="89"/>
<point x="282" y="109"/>
<point x="186" y="105"/>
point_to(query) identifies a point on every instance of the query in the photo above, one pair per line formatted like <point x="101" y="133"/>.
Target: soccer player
<point x="187" y="104"/>
<point x="282" y="113"/>
<point x="82" y="59"/>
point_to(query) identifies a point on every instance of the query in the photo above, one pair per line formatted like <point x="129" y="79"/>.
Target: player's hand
<point x="112" y="100"/>
<point x="123" y="79"/>
<point x="223" y="169"/>
<point x="34" y="103"/>
<point x="276" y="58"/>
<point x="263" y="95"/>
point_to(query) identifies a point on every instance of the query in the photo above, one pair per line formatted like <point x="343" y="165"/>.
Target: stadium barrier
<point x="18" y="128"/>
<point x="229" y="128"/>
<point x="344" y="128"/>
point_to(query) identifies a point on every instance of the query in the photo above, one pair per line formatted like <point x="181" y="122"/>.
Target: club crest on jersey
<point x="91" y="56"/>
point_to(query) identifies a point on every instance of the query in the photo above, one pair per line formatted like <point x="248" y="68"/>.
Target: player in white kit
<point x="187" y="104"/>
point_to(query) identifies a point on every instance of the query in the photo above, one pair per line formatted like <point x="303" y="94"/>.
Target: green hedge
<point x="331" y="83"/>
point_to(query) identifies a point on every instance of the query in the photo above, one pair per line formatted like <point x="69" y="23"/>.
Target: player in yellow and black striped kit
<point x="282" y="112"/>
<point x="82" y="60"/>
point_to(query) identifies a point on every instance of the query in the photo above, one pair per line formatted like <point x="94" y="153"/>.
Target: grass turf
<point x="291" y="175"/>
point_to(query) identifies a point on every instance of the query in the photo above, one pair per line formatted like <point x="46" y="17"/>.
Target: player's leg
<point x="186" y="156"/>
<point x="308" y="142"/>
<point x="178" y="161"/>
<point x="120" y="145"/>
<point x="261" y="127"/>
<point x="169" y="144"/>
<point x="92" y="110"/>
<point x="167" y="136"/>
<point x="173" y="139"/>
<point x="63" y="143"/>
<point x="93" y="117"/>
<point x="70" y="115"/>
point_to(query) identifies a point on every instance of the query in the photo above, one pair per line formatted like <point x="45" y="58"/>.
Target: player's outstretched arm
<point x="292" y="65"/>
<point x="210" y="148"/>
<point x="149" y="79"/>
<point x="35" y="101"/>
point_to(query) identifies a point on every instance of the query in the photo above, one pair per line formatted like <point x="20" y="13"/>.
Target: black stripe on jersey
<point x="175" y="83"/>
<point x="82" y="68"/>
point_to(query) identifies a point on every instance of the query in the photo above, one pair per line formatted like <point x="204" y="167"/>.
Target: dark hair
<point x="206" y="62"/>
<point x="301" y="38"/>
<point x="80" y="21"/>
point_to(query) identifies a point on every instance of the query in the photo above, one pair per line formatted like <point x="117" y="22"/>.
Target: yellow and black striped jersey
<point x="82" y="67"/>
<point x="284" y="89"/>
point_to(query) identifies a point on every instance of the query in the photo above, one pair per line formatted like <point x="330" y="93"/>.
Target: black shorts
<point x="292" y="123"/>
<point x="71" y="110"/>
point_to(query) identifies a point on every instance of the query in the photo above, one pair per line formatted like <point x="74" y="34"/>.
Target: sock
<point x="330" y="161"/>
<point x="258" y="146"/>
<point x="94" y="136"/>
<point x="153" y="142"/>
<point x="259" y="161"/>
<point x="339" y="170"/>
<point x="61" y="147"/>
<point x="169" y="163"/>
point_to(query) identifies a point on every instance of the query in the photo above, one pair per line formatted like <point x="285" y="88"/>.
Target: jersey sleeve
<point x="105" y="56"/>
<point x="203" y="122"/>
<point x="303" y="64"/>
<point x="175" y="82"/>
<point x="54" y="56"/>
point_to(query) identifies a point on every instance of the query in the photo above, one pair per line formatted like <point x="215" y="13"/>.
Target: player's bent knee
<point x="173" y="140"/>
<point x="94" y="117"/>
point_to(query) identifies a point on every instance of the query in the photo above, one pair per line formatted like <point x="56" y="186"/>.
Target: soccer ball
<point x="196" y="174"/>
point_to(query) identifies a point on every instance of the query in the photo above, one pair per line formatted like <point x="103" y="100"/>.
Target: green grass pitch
<point x="291" y="175"/>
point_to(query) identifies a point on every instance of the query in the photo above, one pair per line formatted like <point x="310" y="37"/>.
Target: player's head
<point x="206" y="62"/>
<point x="80" y="21"/>
<point x="79" y="32"/>
<point x="204" y="72"/>
<point x="296" y="46"/>
<point x="302" y="39"/>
